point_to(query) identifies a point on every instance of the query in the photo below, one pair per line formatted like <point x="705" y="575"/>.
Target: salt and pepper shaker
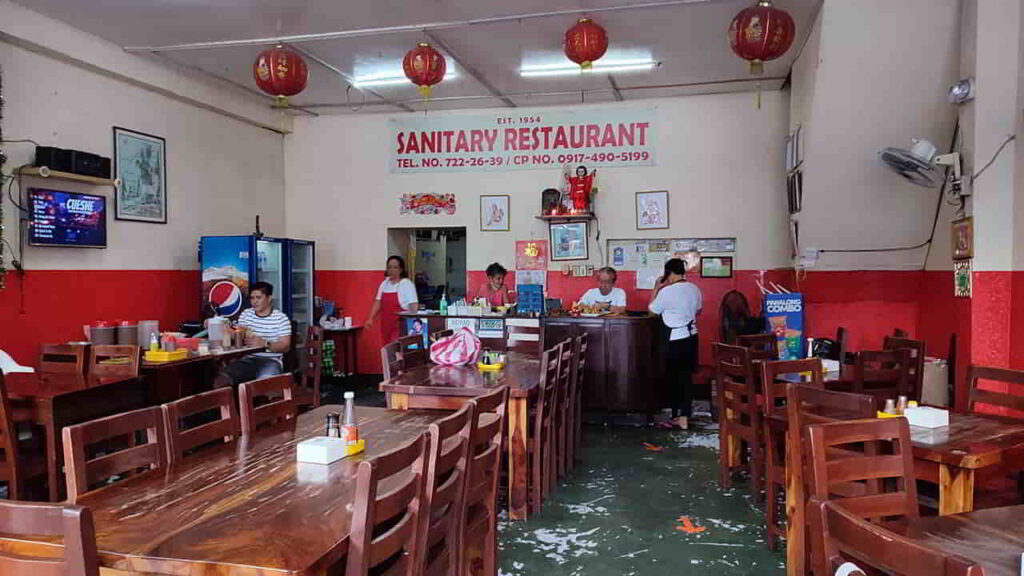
<point x="333" y="425"/>
<point x="890" y="406"/>
<point x="901" y="404"/>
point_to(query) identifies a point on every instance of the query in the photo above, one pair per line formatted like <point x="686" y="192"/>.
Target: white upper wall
<point x="719" y="156"/>
<point x="221" y="172"/>
<point x="872" y="85"/>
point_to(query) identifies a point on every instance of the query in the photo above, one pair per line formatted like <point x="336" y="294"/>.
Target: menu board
<point x="652" y="253"/>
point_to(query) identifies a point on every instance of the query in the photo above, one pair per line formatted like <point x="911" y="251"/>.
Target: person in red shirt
<point x="495" y="291"/>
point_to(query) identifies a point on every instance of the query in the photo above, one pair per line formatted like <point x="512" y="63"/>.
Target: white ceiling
<point x="688" y="39"/>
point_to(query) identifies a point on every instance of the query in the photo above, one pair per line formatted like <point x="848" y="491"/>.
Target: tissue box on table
<point x="321" y="450"/>
<point x="927" y="417"/>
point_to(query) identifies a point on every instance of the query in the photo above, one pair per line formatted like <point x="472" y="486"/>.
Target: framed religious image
<point x="569" y="241"/>
<point x="652" y="210"/>
<point x="140" y="166"/>
<point x="494" y="213"/>
<point x="962" y="279"/>
<point x="716" y="267"/>
<point x="963" y="238"/>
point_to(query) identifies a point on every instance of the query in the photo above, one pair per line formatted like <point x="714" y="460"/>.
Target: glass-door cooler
<point x="270" y="268"/>
<point x="301" y="268"/>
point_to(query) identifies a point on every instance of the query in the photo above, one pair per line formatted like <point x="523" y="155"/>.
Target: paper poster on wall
<point x="417" y="326"/>
<point x="658" y="246"/>
<point x="784" y="317"/>
<point x="539" y="277"/>
<point x="647" y="277"/>
<point x="457" y="323"/>
<point x="619" y="257"/>
<point x="656" y="260"/>
<point x="523" y="140"/>
<point x="531" y="255"/>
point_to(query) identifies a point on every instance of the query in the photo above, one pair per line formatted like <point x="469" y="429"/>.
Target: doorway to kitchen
<point x="435" y="259"/>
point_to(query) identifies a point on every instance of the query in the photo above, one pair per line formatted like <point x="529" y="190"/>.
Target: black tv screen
<point x="67" y="219"/>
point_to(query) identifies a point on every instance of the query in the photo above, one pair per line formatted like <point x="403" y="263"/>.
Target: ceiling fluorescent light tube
<point x="598" y="68"/>
<point x="374" y="81"/>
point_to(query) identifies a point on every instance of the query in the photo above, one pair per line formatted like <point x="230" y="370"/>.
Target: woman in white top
<point x="678" y="302"/>
<point x="395" y="294"/>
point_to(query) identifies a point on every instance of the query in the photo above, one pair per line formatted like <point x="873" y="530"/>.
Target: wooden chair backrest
<point x="435" y="336"/>
<point x="581" y="358"/>
<point x="10" y="471"/>
<point x="521" y="334"/>
<point x="385" y="527"/>
<point x="412" y="350"/>
<point x="875" y="453"/>
<point x="916" y="367"/>
<point x="132" y="441"/>
<point x="72" y="523"/>
<point x="845" y="535"/>
<point x="308" y="387"/>
<point x="565" y="371"/>
<point x="1012" y="398"/>
<point x="762" y="346"/>
<point x="181" y="438"/>
<point x="126" y="360"/>
<point x="280" y="404"/>
<point x="774" y="391"/>
<point x="883" y="371"/>
<point x="737" y="388"/>
<point x="391" y="364"/>
<point x="445" y="493"/>
<point x="547" y="401"/>
<point x="486" y="444"/>
<point x="62" y="359"/>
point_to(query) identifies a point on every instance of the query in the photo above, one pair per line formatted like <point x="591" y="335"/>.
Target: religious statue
<point x="580" y="187"/>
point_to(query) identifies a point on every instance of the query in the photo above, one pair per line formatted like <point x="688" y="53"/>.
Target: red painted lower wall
<point x="49" y="306"/>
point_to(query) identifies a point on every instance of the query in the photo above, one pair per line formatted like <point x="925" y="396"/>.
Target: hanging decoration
<point x="424" y="66"/>
<point x="761" y="33"/>
<point x="585" y="42"/>
<point x="427" y="204"/>
<point x="280" y="72"/>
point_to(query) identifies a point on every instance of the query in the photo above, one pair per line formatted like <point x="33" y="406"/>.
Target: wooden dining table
<point x="993" y="538"/>
<point x="449" y="387"/>
<point x="246" y="508"/>
<point x="53" y="401"/>
<point x="169" y="381"/>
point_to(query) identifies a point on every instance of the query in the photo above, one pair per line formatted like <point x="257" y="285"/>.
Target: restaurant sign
<point x="523" y="141"/>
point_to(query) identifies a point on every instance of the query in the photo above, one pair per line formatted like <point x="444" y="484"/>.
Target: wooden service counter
<point x="624" y="368"/>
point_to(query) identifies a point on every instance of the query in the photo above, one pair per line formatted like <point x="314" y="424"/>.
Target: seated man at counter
<point x="606" y="294"/>
<point x="265" y="327"/>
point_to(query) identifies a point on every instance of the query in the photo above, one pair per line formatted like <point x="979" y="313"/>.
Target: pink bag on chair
<point x="463" y="347"/>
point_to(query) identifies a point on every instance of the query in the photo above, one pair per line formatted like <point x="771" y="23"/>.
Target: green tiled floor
<point x="618" y="514"/>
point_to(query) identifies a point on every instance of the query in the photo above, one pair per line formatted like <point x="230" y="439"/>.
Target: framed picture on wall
<point x="962" y="279"/>
<point x="716" y="267"/>
<point x="494" y="213"/>
<point x="652" y="210"/>
<point x="963" y="238"/>
<point x="140" y="166"/>
<point x="569" y="241"/>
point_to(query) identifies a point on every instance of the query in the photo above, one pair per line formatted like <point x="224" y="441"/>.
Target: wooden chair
<point x="576" y="400"/>
<point x="524" y="335"/>
<point x="412" y="351"/>
<point x="806" y="405"/>
<point x="444" y="497"/>
<point x="435" y="336"/>
<point x="541" y="440"/>
<point x="307" y="389"/>
<point x="773" y="392"/>
<point x="900" y="333"/>
<point x="266" y="402"/>
<point x="114" y="361"/>
<point x="391" y="364"/>
<point x="1014" y="379"/>
<point x="62" y="358"/>
<point x="20" y="463"/>
<point x="739" y="416"/>
<point x="385" y="527"/>
<point x="132" y="441"/>
<point x="72" y="523"/>
<point x="565" y="372"/>
<point x="182" y="439"/>
<point x="915" y="370"/>
<point x="762" y="346"/>
<point x="883" y="374"/>
<point x="844" y="535"/>
<point x="479" y="540"/>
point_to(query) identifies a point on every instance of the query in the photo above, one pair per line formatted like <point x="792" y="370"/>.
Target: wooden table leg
<point x="398" y="401"/>
<point x="794" y="517"/>
<point x="518" y="441"/>
<point x="956" y="490"/>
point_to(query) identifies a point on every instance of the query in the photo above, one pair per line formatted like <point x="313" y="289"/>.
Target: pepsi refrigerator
<point x="230" y="264"/>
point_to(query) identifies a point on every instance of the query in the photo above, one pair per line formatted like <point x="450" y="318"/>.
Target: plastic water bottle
<point x="444" y="304"/>
<point x="154" y="342"/>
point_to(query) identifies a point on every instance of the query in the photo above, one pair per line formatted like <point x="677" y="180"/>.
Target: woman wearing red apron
<point x="395" y="294"/>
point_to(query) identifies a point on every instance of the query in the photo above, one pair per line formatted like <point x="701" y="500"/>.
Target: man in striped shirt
<point x="264" y="327"/>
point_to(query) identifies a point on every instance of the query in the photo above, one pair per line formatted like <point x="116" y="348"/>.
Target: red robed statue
<point x="580" y="187"/>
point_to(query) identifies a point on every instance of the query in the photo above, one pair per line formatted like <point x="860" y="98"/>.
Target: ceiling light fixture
<point x="390" y="80"/>
<point x="600" y="67"/>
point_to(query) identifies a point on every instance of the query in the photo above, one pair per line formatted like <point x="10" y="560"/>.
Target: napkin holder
<point x="325" y="450"/>
<point x="927" y="416"/>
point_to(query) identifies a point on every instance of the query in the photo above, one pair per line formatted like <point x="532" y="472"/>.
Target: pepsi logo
<point x="226" y="298"/>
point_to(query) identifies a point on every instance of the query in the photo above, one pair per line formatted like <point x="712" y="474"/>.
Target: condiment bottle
<point x="444" y="304"/>
<point x="333" y="425"/>
<point x="154" y="342"/>
<point x="349" y="430"/>
<point x="890" y="406"/>
<point x="901" y="404"/>
<point x="225" y="340"/>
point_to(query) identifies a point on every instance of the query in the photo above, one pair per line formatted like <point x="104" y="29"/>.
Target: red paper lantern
<point x="761" y="33"/>
<point x="424" y="66"/>
<point x="281" y="73"/>
<point x="585" y="42"/>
